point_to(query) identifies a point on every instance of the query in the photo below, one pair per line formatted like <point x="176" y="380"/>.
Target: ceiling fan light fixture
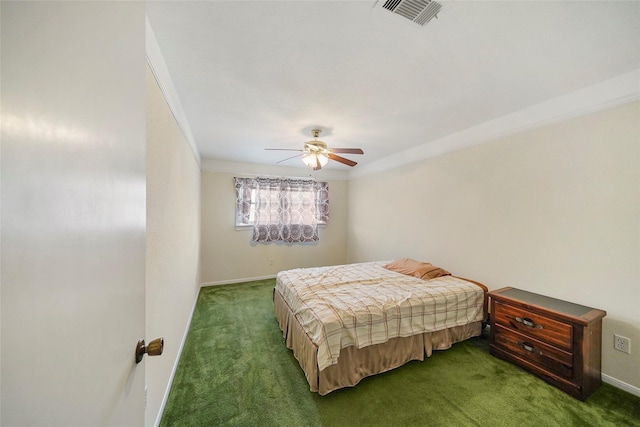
<point x="315" y="160"/>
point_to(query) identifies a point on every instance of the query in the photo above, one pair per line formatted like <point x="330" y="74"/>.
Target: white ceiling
<point x="256" y="74"/>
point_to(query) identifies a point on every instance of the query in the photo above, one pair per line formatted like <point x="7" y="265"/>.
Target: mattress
<point x="365" y="304"/>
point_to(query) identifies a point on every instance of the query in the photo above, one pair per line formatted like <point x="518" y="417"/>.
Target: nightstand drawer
<point x="534" y="325"/>
<point x="549" y="358"/>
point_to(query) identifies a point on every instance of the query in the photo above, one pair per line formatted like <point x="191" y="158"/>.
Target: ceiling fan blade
<point x="282" y="149"/>
<point x="289" y="158"/>
<point x="347" y="150"/>
<point x="342" y="160"/>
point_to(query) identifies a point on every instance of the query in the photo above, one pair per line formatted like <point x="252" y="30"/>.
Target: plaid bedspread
<point x="365" y="304"/>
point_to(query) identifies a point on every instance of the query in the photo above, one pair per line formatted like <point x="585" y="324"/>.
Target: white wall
<point x="554" y="210"/>
<point x="229" y="255"/>
<point x="173" y="242"/>
<point x="73" y="213"/>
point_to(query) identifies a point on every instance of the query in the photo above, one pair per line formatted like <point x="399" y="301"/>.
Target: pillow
<point x="434" y="272"/>
<point x="411" y="267"/>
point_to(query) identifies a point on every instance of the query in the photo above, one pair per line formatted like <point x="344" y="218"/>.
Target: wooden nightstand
<point x="557" y="340"/>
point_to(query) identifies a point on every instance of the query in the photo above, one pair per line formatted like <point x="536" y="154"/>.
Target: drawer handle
<point x="528" y="347"/>
<point x="528" y="322"/>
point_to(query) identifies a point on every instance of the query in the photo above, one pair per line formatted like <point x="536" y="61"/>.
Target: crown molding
<point x="161" y="73"/>
<point x="608" y="94"/>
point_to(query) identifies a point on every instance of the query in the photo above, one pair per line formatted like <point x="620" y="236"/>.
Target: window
<point x="279" y="209"/>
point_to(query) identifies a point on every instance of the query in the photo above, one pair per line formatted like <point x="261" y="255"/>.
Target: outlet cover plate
<point x="621" y="343"/>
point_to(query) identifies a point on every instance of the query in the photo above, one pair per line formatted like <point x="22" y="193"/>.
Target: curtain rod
<point x="310" y="178"/>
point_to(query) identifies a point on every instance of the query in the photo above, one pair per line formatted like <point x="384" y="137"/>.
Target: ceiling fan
<point x="316" y="154"/>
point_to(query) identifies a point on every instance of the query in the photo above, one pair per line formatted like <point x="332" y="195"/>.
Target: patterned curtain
<point x="244" y="188"/>
<point x="286" y="210"/>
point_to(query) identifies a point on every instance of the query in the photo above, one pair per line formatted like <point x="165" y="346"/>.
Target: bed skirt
<point x="355" y="364"/>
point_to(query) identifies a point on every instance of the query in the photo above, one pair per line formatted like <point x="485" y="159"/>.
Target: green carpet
<point x="236" y="371"/>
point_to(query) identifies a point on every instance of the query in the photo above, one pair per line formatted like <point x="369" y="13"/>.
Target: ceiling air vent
<point x="417" y="11"/>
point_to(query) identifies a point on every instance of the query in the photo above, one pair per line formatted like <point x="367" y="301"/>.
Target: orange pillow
<point x="435" y="272"/>
<point x="411" y="267"/>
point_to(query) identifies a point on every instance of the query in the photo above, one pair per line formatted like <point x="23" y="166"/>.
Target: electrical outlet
<point x="270" y="261"/>
<point x="622" y="344"/>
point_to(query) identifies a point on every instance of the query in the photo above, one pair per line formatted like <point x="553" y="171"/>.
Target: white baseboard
<point x="621" y="385"/>
<point x="175" y="365"/>
<point x="229" y="282"/>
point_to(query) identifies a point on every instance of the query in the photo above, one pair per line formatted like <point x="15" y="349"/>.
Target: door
<point x="73" y="213"/>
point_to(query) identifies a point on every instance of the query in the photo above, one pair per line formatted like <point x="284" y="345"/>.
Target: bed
<point x="347" y="322"/>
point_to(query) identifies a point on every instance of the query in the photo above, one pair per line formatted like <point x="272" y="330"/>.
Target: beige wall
<point x="554" y="210"/>
<point x="173" y="241"/>
<point x="229" y="255"/>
